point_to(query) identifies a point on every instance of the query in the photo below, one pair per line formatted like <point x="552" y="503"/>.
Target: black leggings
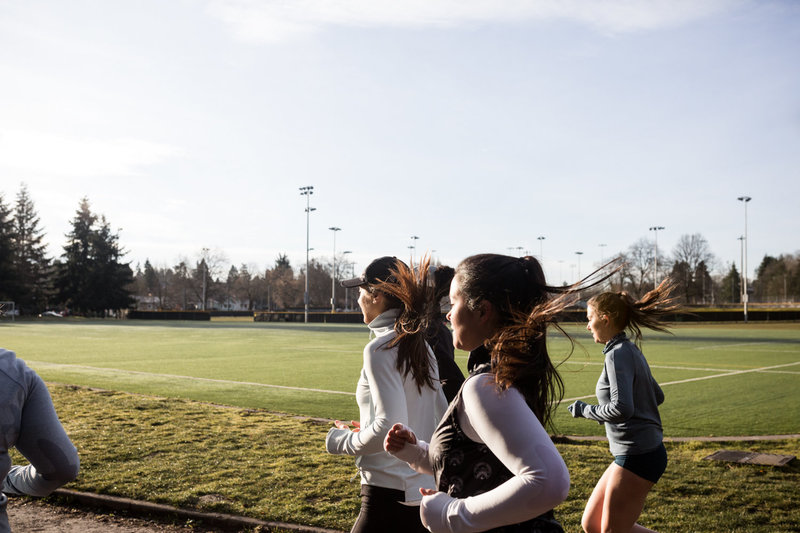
<point x="382" y="512"/>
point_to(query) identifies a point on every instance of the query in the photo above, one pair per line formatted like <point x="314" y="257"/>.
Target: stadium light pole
<point x="655" y="264"/>
<point x="579" y="254"/>
<point x="344" y="268"/>
<point x="334" y="229"/>
<point x="413" y="247"/>
<point x="205" y="275"/>
<point x="741" y="264"/>
<point x="746" y="297"/>
<point x="540" y="238"/>
<point x="602" y="258"/>
<point x="307" y="192"/>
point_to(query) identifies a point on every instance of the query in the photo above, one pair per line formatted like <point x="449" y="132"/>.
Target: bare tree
<point x="692" y="250"/>
<point x="639" y="266"/>
<point x="692" y="257"/>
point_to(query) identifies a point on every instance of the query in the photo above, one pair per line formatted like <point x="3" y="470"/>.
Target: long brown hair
<point x="408" y="290"/>
<point x="632" y="315"/>
<point x="525" y="307"/>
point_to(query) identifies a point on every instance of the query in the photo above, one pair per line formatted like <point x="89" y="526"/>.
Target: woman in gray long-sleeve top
<point x="628" y="397"/>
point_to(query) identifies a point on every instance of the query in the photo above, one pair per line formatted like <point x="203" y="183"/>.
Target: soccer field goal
<point x="8" y="310"/>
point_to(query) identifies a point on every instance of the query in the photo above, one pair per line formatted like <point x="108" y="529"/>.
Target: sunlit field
<point x="737" y="379"/>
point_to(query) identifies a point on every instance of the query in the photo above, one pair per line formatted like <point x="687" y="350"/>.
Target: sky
<point x="473" y="125"/>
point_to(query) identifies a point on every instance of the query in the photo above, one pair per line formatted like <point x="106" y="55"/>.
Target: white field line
<point x="190" y="378"/>
<point x="664" y="367"/>
<point x="735" y="345"/>
<point x="724" y="374"/>
<point x="667" y="367"/>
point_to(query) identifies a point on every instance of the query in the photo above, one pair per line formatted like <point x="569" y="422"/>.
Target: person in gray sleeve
<point x="628" y="397"/>
<point x="28" y="422"/>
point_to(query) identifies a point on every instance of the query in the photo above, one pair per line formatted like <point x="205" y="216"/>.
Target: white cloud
<point x="57" y="156"/>
<point x="277" y="20"/>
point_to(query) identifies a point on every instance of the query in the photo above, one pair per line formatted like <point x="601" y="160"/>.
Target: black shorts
<point x="649" y="465"/>
<point x="382" y="511"/>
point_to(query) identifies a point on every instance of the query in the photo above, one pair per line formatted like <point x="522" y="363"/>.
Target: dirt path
<point x="79" y="512"/>
<point x="34" y="516"/>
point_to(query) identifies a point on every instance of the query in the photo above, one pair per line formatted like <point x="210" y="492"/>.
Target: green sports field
<point x="740" y="379"/>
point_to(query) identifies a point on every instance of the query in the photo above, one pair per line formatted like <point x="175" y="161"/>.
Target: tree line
<point x="91" y="278"/>
<point x="205" y="284"/>
<point x="691" y="264"/>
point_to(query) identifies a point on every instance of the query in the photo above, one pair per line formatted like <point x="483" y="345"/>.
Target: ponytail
<point x="410" y="291"/>
<point x="650" y="311"/>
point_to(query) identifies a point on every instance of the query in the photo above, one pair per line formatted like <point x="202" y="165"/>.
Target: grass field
<point x="158" y="445"/>
<point x="274" y="467"/>
<point x="738" y="379"/>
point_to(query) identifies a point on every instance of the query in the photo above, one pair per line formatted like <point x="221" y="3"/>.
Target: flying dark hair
<point x="408" y="290"/>
<point x="628" y="314"/>
<point x="442" y="277"/>
<point x="525" y="306"/>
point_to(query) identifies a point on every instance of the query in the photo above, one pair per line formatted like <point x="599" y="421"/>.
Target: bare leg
<point x="616" y="503"/>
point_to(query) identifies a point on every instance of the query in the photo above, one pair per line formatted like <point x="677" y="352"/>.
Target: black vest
<point x="463" y="467"/>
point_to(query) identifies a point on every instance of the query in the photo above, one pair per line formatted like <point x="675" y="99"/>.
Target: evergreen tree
<point x="151" y="282"/>
<point x="201" y="284"/>
<point x="91" y="278"/>
<point x="703" y="284"/>
<point x="7" y="274"/>
<point x="32" y="267"/>
<point x="682" y="275"/>
<point x="731" y="286"/>
<point x="230" y="286"/>
<point x="244" y="287"/>
<point x="776" y="279"/>
<point x="73" y="280"/>
<point x="182" y="285"/>
<point x="112" y="278"/>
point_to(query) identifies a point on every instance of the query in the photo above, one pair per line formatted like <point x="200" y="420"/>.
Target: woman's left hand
<point x="576" y="409"/>
<point x="344" y="425"/>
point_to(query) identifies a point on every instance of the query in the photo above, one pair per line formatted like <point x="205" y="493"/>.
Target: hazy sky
<point x="476" y="125"/>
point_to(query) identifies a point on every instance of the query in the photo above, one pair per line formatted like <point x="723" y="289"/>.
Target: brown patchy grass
<point x="274" y="467"/>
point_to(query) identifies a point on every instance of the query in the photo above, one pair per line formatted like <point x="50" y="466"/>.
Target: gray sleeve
<point x="620" y="371"/>
<point x="43" y="441"/>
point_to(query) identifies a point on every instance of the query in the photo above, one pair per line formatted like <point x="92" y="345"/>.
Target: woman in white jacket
<point x="399" y="381"/>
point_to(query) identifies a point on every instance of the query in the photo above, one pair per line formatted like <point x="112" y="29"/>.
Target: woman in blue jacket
<point x="628" y="398"/>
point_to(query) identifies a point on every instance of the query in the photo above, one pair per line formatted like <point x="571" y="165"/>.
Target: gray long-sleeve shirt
<point x="629" y="398"/>
<point x="28" y="421"/>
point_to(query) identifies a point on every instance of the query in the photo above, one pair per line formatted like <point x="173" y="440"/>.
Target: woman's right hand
<point x="397" y="437"/>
